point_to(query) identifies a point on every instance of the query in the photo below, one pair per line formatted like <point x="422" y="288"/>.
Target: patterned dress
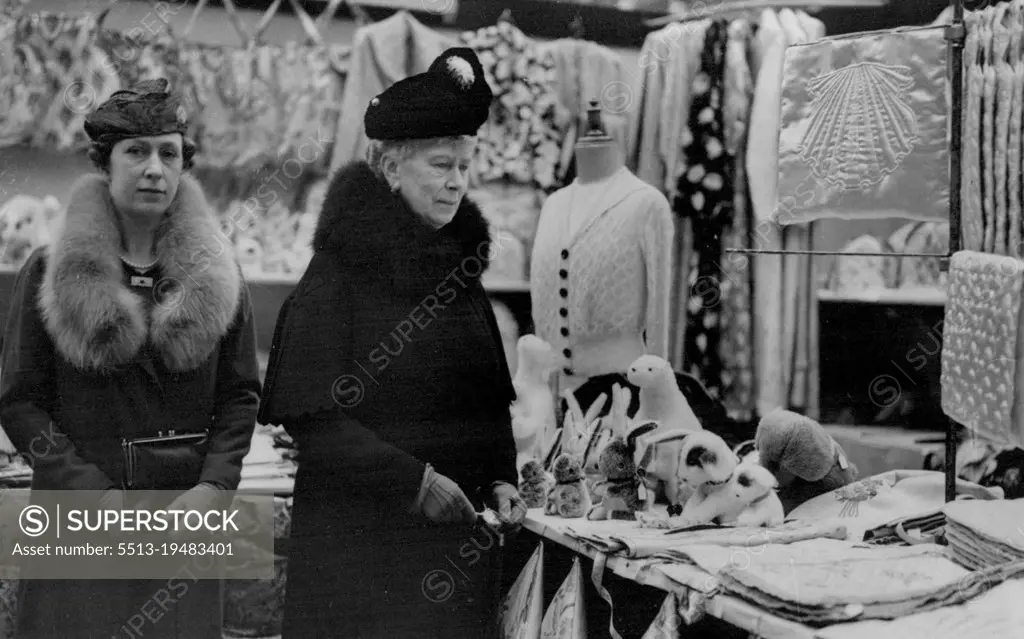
<point x="705" y="194"/>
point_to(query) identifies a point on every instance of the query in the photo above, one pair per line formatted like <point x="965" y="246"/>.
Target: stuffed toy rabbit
<point x="579" y="429"/>
<point x="569" y="496"/>
<point x="623" y="491"/>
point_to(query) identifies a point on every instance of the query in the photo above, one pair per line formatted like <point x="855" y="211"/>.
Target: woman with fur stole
<point x="388" y="371"/>
<point x="125" y="327"/>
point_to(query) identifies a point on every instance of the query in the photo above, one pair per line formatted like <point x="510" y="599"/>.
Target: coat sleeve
<point x="28" y="393"/>
<point x="238" y="396"/>
<point x="313" y="383"/>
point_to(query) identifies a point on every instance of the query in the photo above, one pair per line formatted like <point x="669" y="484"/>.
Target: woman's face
<point x="144" y="173"/>
<point x="434" y="177"/>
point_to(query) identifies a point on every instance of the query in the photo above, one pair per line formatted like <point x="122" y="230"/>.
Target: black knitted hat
<point x="451" y="98"/>
<point x="148" y="109"/>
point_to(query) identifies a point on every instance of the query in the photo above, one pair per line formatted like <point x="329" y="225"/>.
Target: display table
<point x="905" y="579"/>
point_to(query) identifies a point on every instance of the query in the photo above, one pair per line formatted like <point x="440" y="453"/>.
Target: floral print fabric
<point x="705" y="195"/>
<point x="522" y="140"/>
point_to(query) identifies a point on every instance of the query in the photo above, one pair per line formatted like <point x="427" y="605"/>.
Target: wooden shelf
<point x="908" y="296"/>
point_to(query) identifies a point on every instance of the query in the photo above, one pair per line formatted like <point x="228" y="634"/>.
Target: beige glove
<point x="442" y="501"/>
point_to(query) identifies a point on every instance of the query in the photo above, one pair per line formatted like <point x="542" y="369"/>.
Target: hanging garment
<point x="668" y="62"/>
<point x="784" y="297"/>
<point x="47" y="86"/>
<point x="737" y="343"/>
<point x="382" y="53"/>
<point x="983" y="346"/>
<point x="863" y="130"/>
<point x="762" y="143"/>
<point x="587" y="71"/>
<point x="704" y="194"/>
<point x="972" y="216"/>
<point x="522" y="141"/>
<point x="1015" y="236"/>
<point x="988" y="103"/>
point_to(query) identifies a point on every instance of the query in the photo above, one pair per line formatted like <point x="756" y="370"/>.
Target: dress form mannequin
<point x="601" y="265"/>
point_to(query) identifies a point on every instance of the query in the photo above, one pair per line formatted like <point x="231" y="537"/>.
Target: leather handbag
<point x="166" y="461"/>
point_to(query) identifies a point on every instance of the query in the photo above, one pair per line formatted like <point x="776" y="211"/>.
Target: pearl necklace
<point x="139" y="267"/>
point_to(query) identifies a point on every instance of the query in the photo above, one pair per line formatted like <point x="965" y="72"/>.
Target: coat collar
<point x="380" y="237"/>
<point x="98" y="324"/>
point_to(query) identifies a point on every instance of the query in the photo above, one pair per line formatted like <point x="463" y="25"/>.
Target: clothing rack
<point x="956" y="35"/>
<point x="723" y="9"/>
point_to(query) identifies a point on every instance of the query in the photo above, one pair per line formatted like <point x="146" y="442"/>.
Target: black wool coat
<point x="85" y="364"/>
<point x="387" y="357"/>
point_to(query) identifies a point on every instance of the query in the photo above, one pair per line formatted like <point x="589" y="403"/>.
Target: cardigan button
<point x="562" y="273"/>
<point x="567" y="353"/>
<point x="567" y="371"/>
<point x="565" y="332"/>
<point x="563" y="292"/>
<point x="564" y="312"/>
<point x="565" y="254"/>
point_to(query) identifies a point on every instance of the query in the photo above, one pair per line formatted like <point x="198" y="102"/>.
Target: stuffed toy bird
<point x="803" y="457"/>
<point x="533" y="411"/>
<point x="535" y="485"/>
<point x="569" y="497"/>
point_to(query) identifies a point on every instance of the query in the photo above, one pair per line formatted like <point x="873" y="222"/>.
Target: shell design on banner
<point x="862" y="126"/>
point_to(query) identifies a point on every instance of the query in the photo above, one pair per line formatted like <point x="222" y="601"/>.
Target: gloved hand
<point x="442" y="501"/>
<point x="201" y="498"/>
<point x="510" y="506"/>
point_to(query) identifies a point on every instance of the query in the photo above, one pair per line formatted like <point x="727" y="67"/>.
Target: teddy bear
<point x="804" y="458"/>
<point x="533" y="410"/>
<point x="623" y="492"/>
<point x="27" y="223"/>
<point x="569" y="496"/>
<point x="535" y="485"/>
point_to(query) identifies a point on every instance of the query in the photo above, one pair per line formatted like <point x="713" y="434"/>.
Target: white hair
<point x="380" y="150"/>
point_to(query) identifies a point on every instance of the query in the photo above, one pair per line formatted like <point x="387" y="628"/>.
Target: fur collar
<point x="98" y="324"/>
<point x="380" y="237"/>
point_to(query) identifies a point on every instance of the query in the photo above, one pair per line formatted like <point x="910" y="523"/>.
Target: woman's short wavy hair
<point x="99" y="154"/>
<point x="379" y="150"/>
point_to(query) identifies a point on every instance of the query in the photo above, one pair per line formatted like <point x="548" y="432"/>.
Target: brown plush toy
<point x="535" y="485"/>
<point x="803" y="457"/>
<point x="569" y="497"/>
<point x="623" y="489"/>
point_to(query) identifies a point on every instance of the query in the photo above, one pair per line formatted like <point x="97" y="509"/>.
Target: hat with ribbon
<point x="148" y="109"/>
<point x="451" y="98"/>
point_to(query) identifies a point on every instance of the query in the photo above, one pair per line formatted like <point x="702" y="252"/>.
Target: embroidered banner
<point x="863" y="129"/>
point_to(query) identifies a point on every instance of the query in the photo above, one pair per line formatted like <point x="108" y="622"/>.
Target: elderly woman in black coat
<point x="388" y="370"/>
<point x="129" y="326"/>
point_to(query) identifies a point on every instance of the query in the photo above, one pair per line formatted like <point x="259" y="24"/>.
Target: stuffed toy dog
<point x="750" y="499"/>
<point x="706" y="466"/>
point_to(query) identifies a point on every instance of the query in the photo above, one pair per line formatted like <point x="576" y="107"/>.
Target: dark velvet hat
<point x="149" y="108"/>
<point x="451" y="98"/>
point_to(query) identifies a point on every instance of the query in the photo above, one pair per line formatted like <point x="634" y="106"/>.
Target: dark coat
<point x="387" y="357"/>
<point x="81" y="352"/>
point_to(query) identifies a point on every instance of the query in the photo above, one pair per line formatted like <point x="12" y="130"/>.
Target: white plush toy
<point x="660" y="398"/>
<point x="754" y="485"/>
<point x="661" y="401"/>
<point x="533" y="414"/>
<point x="26" y="223"/>
<point x="706" y="466"/>
<point x="749" y="499"/>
